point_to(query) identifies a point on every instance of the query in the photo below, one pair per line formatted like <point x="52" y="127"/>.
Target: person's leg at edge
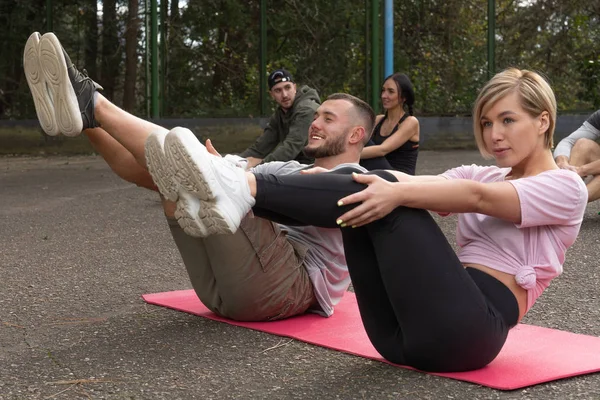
<point x="130" y="131"/>
<point x="584" y="152"/>
<point x="119" y="159"/>
<point x="447" y="324"/>
<point x="593" y="187"/>
<point x="63" y="94"/>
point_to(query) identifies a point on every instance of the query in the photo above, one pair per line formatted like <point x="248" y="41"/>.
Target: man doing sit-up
<point x="265" y="270"/>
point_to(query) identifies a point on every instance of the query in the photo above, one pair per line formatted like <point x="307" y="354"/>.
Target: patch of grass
<point x="26" y="140"/>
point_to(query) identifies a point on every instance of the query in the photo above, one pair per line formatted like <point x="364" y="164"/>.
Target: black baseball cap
<point x="279" y="75"/>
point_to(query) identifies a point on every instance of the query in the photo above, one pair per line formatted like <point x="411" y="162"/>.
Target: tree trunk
<point x="111" y="59"/>
<point x="90" y="21"/>
<point x="131" y="42"/>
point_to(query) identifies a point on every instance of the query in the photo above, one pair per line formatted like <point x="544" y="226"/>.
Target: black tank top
<point x="404" y="158"/>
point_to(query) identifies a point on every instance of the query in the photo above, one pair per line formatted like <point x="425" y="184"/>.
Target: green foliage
<point x="212" y="61"/>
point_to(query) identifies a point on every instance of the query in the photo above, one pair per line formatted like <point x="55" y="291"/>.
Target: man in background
<point x="286" y="134"/>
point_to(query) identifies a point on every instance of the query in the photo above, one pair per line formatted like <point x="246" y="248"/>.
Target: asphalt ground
<point x="78" y="249"/>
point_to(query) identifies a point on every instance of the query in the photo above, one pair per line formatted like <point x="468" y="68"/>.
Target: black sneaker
<point x="70" y="92"/>
<point x="84" y="88"/>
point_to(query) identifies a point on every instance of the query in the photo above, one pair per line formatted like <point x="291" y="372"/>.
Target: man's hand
<point x="211" y="149"/>
<point x="253" y="162"/>
<point x="563" y="163"/>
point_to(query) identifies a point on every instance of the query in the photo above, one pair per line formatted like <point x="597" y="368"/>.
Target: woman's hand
<point x="378" y="200"/>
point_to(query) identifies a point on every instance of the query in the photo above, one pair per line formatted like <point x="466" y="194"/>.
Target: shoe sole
<point x="37" y="85"/>
<point x="162" y="174"/>
<point x="187" y="214"/>
<point x="159" y="168"/>
<point x="54" y="70"/>
<point x="194" y="173"/>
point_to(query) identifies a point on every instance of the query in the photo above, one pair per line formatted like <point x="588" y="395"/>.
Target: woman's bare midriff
<point x="509" y="281"/>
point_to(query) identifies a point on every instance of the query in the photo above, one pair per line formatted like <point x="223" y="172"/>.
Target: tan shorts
<point x="255" y="274"/>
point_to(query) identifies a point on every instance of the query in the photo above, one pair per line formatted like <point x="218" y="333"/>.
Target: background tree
<point x="89" y="9"/>
<point x="212" y="69"/>
<point x="110" y="50"/>
<point x="131" y="56"/>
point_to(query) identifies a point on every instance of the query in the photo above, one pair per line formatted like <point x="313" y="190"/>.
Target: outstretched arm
<point x="498" y="199"/>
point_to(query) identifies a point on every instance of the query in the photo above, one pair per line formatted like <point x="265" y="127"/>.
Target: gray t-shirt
<point x="325" y="261"/>
<point x="589" y="130"/>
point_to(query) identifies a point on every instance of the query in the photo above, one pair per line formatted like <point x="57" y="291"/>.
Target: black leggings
<point x="419" y="305"/>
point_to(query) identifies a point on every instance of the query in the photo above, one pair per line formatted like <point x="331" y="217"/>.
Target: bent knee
<point x="585" y="145"/>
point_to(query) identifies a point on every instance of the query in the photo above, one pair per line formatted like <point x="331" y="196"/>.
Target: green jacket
<point x="286" y="134"/>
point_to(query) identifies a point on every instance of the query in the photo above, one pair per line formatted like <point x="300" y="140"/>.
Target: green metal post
<point x="154" y="65"/>
<point x="49" y="16"/>
<point x="367" y="36"/>
<point x="147" y="55"/>
<point x="491" y="44"/>
<point x="263" y="58"/>
<point x="375" y="74"/>
<point x="164" y="10"/>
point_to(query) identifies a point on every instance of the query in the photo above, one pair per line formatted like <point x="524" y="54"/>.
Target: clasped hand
<point x="378" y="200"/>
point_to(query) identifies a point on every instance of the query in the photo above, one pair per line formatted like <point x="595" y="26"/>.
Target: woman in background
<point x="396" y="133"/>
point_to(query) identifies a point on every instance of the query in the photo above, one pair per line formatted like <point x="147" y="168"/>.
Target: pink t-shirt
<point x="552" y="207"/>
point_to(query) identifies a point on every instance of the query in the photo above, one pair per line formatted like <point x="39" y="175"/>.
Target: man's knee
<point x="585" y="146"/>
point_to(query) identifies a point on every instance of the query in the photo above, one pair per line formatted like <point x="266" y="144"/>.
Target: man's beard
<point x="337" y="147"/>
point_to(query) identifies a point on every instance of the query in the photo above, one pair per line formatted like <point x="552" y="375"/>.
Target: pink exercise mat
<point x="531" y="355"/>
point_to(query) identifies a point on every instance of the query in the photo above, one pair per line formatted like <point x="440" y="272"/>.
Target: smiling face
<point x="390" y="95"/>
<point x="510" y="134"/>
<point x="329" y="132"/>
<point x="284" y="94"/>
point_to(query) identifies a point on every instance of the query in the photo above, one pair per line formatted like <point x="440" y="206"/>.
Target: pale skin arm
<point x="498" y="199"/>
<point x="406" y="130"/>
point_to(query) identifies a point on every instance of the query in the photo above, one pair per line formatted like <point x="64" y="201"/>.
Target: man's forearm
<point x="562" y="160"/>
<point x="592" y="168"/>
<point x="253" y="162"/>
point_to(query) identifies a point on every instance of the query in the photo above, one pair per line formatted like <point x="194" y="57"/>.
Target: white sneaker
<point x="163" y="175"/>
<point x="188" y="217"/>
<point x="44" y="107"/>
<point x="60" y="92"/>
<point x="221" y="186"/>
<point x="158" y="165"/>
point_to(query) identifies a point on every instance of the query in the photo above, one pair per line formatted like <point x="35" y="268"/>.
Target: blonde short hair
<point x="535" y="94"/>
